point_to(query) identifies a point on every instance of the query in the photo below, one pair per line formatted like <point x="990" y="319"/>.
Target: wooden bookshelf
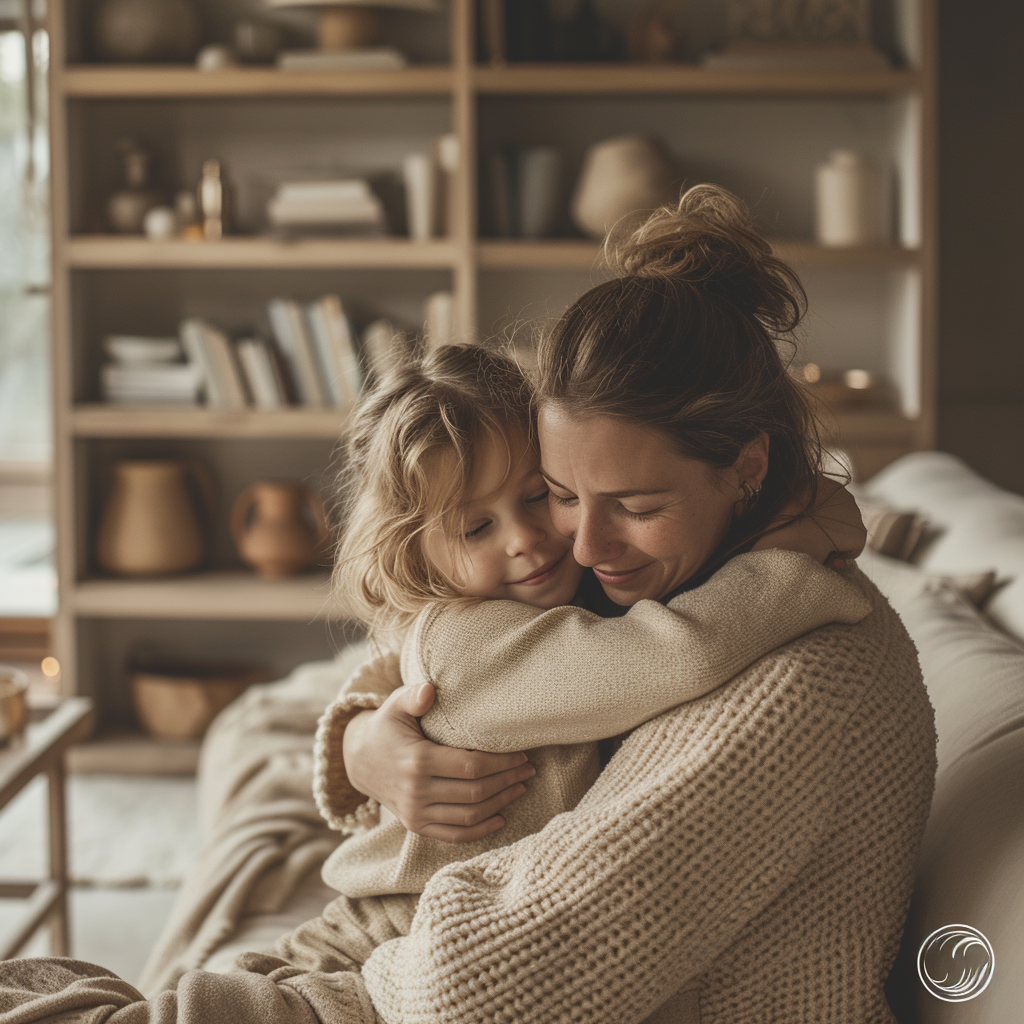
<point x="682" y="80"/>
<point x="119" y="284"/>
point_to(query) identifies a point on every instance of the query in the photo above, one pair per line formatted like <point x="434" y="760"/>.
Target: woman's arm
<point x="715" y="816"/>
<point x="569" y="676"/>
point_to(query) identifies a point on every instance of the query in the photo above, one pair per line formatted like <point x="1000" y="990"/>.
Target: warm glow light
<point x="812" y="373"/>
<point x="858" y="379"/>
<point x="50" y="667"/>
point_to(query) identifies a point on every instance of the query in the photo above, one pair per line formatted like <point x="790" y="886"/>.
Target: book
<point x="440" y="320"/>
<point x="332" y="335"/>
<point x="260" y="374"/>
<point x="384" y="348"/>
<point x="293" y="339"/>
<point x="365" y="58"/>
<point x="210" y="350"/>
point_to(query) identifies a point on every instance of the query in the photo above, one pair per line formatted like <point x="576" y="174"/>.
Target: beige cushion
<point x="892" y="531"/>
<point x="977" y="525"/>
<point x="901" y="582"/>
<point x="971" y="869"/>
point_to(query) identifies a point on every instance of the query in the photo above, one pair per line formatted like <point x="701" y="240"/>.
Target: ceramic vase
<point x="851" y="201"/>
<point x="624" y="177"/>
<point x="146" y="30"/>
<point x="278" y="527"/>
<point x="127" y="208"/>
<point x="155" y="519"/>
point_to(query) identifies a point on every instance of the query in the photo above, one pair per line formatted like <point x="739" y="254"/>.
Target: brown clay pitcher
<point x="156" y="518"/>
<point x="271" y="530"/>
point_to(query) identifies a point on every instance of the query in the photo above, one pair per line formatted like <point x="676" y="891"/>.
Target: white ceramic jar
<point x="852" y="202"/>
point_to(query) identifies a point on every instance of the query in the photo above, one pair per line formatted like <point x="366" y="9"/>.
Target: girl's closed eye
<point x="539" y="497"/>
<point x="477" y="531"/>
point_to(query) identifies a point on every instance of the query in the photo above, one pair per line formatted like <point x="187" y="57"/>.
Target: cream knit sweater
<point x="745" y="858"/>
<point x="512" y="677"/>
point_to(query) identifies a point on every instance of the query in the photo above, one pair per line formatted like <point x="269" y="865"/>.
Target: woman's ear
<point x="752" y="465"/>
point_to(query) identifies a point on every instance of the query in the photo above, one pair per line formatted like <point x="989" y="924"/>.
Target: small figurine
<point x="211" y="201"/>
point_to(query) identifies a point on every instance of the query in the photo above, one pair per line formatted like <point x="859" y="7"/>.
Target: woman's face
<point x="644" y="517"/>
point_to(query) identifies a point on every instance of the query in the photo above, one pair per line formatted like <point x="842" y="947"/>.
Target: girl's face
<point x="510" y="549"/>
<point x="644" y="517"/>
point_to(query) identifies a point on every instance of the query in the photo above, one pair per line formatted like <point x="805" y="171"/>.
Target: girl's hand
<point x="435" y="791"/>
<point x="831" y="531"/>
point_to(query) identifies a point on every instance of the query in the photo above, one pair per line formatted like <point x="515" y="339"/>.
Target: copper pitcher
<point x="272" y="530"/>
<point x="157" y="517"/>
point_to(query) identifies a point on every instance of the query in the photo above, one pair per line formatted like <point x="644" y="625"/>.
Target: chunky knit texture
<point x="554" y="683"/>
<point x="745" y="857"/>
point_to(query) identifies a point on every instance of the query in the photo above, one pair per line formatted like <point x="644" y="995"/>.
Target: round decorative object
<point x="160" y="224"/>
<point x="625" y="177"/>
<point x="215" y="57"/>
<point x="146" y="30"/>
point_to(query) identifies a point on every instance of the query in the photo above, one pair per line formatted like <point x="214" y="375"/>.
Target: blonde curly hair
<point x="408" y="456"/>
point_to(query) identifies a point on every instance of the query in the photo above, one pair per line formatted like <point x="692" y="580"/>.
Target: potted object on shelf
<point x="622" y="177"/>
<point x="156" y="519"/>
<point x="146" y="30"/>
<point x="179" y="701"/>
<point x="279" y="527"/>
<point x="851" y="201"/>
<point x="350" y="35"/>
<point x="128" y="206"/>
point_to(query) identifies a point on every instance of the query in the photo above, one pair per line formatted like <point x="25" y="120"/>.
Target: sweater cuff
<point x="342" y="806"/>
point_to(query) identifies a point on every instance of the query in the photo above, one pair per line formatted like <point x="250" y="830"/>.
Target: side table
<point x="41" y="751"/>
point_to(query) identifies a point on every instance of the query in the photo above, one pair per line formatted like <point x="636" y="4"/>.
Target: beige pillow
<point x="901" y="583"/>
<point x="892" y="531"/>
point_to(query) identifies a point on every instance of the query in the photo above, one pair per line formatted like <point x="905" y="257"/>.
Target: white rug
<point x="124" y="830"/>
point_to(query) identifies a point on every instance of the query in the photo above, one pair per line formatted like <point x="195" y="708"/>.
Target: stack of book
<point x="148" y="371"/>
<point x="326" y="205"/>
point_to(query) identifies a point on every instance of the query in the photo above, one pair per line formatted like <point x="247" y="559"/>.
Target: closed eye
<point x="558" y="499"/>
<point x="540" y="497"/>
<point x="642" y="516"/>
<point x="477" y="530"/>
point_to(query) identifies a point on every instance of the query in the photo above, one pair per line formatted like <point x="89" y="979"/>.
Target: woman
<point x="748" y="856"/>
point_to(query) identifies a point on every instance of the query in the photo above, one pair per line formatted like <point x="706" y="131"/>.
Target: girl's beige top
<point x="513" y="677"/>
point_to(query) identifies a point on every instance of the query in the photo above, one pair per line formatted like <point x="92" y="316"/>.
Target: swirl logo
<point x="955" y="963"/>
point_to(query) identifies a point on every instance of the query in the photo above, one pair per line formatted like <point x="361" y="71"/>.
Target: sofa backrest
<point x="971" y="866"/>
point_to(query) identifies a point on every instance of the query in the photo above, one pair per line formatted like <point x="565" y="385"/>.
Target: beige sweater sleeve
<point x="343" y="807"/>
<point x="511" y="677"/>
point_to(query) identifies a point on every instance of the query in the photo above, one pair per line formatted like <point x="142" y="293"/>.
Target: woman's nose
<point x="592" y="543"/>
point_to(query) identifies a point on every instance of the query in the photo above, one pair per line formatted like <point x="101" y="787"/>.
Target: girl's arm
<point x="510" y="677"/>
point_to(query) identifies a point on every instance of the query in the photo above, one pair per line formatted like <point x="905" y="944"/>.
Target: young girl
<point x="448" y="535"/>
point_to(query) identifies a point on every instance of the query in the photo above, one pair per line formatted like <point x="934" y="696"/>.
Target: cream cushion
<point x="971" y="867"/>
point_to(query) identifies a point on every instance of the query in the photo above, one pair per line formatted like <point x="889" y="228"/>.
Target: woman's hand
<point x="435" y="791"/>
<point x="830" y="531"/>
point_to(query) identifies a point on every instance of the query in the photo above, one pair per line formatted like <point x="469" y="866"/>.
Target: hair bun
<point x="708" y="241"/>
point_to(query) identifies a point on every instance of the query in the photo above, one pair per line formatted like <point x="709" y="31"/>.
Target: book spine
<point x="286" y="319"/>
<point x="350" y="373"/>
<point x="193" y="342"/>
<point x="226" y="368"/>
<point x="259" y="374"/>
<point x="331" y="373"/>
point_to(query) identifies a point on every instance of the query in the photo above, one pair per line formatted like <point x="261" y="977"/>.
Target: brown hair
<point x="408" y="456"/>
<point x="686" y="339"/>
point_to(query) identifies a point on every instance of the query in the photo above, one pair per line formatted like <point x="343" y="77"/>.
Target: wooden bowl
<point x="13" y="702"/>
<point x="178" y="702"/>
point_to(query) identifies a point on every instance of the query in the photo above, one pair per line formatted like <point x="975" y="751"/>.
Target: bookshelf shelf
<point x="101" y="420"/>
<point x="681" y="80"/>
<point x="211" y="595"/>
<point x="580" y="254"/>
<point x="181" y="81"/>
<point x="116" y="251"/>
